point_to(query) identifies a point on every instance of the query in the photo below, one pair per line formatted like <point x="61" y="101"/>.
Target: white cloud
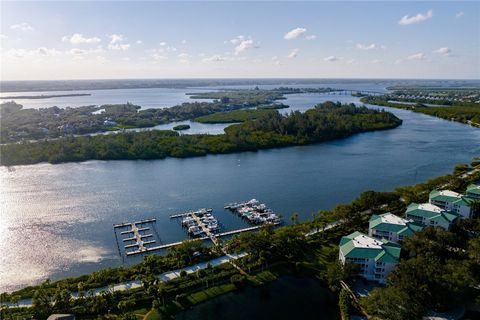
<point x="50" y="52"/>
<point x="444" y="51"/>
<point x="184" y="41"/>
<point x="163" y="43"/>
<point x="116" y="43"/>
<point x="417" y="56"/>
<point x="16" y="53"/>
<point x="293" y="53"/>
<point x="370" y="46"/>
<point x="115" y="38"/>
<point x="184" y="58"/>
<point x="331" y="59"/>
<point x="214" y="58"/>
<point x="158" y="56"/>
<point x="420" y="17"/>
<point x="139" y="42"/>
<point x="78" y="51"/>
<point x="22" y="27"/>
<point x="311" y="37"/>
<point x="47" y="52"/>
<point x="459" y="14"/>
<point x="2" y="36"/>
<point x="376" y="61"/>
<point x="119" y="46"/>
<point x="243" y="46"/>
<point x="294" y="33"/>
<point x="275" y="60"/>
<point x="237" y="39"/>
<point x="78" y="38"/>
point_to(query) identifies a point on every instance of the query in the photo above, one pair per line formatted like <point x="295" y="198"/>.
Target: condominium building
<point x="391" y="227"/>
<point x="376" y="258"/>
<point x="429" y="214"/>
<point x="452" y="201"/>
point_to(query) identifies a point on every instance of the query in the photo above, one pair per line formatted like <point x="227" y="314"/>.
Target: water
<point x="195" y="128"/>
<point x="172" y="92"/>
<point x="285" y="298"/>
<point x="147" y="98"/>
<point x="57" y="220"/>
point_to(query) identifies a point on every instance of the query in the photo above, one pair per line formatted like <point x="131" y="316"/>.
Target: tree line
<point x="324" y="122"/>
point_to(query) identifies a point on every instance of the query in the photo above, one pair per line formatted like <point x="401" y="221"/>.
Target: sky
<point x="43" y="40"/>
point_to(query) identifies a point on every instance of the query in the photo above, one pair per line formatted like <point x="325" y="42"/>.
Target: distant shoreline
<point x="45" y="96"/>
<point x="179" y="83"/>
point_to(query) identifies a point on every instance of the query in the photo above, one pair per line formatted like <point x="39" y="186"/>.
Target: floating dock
<point x="138" y="239"/>
<point x="139" y="236"/>
<point x="218" y="235"/>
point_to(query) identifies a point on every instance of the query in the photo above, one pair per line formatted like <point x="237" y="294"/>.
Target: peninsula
<point x="324" y="122"/>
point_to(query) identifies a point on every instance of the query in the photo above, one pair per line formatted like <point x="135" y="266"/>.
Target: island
<point x="326" y="121"/>
<point x="456" y="104"/>
<point x="47" y="96"/>
<point x="19" y="124"/>
<point x="181" y="127"/>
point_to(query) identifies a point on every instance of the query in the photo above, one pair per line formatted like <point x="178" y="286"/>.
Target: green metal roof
<point x="390" y="254"/>
<point x="414" y="209"/>
<point x="440" y="217"/>
<point x="464" y="201"/>
<point x="473" y="189"/>
<point x="410" y="229"/>
<point x="377" y="224"/>
<point x="437" y="196"/>
<point x="387" y="252"/>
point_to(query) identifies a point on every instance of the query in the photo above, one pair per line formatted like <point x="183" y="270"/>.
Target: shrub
<point x="238" y="280"/>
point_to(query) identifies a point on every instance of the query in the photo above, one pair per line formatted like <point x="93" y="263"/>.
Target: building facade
<point x="473" y="191"/>
<point x="428" y="214"/>
<point x="452" y="201"/>
<point x="391" y="227"/>
<point x="376" y="258"/>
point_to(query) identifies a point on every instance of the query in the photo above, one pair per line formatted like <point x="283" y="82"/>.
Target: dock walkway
<point x="139" y="239"/>
<point x="217" y="235"/>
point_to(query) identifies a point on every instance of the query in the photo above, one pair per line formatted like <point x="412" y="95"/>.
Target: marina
<point x="254" y="212"/>
<point x="200" y="224"/>
<point x="135" y="236"/>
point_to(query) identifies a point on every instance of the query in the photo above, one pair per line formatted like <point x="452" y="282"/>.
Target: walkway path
<point x="164" y="277"/>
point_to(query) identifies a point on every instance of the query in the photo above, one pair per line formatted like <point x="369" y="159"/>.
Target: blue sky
<point x="87" y="40"/>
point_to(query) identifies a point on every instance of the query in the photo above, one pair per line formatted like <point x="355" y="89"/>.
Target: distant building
<point x="109" y="123"/>
<point x="473" y="191"/>
<point x="61" y="317"/>
<point x="376" y="258"/>
<point x="391" y="227"/>
<point x="452" y="201"/>
<point x="429" y="214"/>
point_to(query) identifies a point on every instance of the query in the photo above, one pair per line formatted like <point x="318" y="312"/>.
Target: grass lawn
<point x="153" y="315"/>
<point x="209" y="293"/>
